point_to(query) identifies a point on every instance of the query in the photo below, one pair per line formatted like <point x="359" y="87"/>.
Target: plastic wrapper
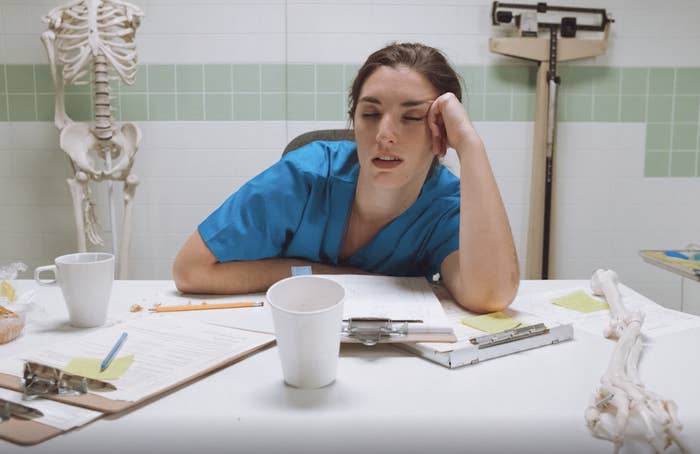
<point x="10" y="271"/>
<point x="14" y="306"/>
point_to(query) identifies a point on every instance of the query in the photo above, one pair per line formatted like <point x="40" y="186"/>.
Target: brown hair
<point x="425" y="60"/>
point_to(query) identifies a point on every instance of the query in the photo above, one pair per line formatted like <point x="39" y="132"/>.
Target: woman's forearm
<point x="249" y="276"/>
<point x="196" y="270"/>
<point x="488" y="264"/>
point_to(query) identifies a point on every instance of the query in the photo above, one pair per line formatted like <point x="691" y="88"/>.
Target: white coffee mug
<point x="307" y="312"/>
<point x="85" y="280"/>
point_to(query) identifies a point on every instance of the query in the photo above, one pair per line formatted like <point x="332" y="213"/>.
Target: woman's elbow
<point x="185" y="275"/>
<point x="488" y="299"/>
<point x="181" y="277"/>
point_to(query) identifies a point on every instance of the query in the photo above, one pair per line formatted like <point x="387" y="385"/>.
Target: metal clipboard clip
<point x="39" y="380"/>
<point x="371" y="330"/>
<point x="8" y="409"/>
<point x="491" y="340"/>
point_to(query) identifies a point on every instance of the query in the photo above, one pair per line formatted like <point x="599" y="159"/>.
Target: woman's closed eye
<point x="406" y="117"/>
<point x="415" y="115"/>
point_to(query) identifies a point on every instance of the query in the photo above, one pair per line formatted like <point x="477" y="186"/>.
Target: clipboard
<point x="26" y="424"/>
<point x="25" y="432"/>
<point x="391" y="309"/>
<point x="375" y="330"/>
<point x="689" y="269"/>
<point x="475" y="350"/>
<point x="473" y="346"/>
<point x="94" y="401"/>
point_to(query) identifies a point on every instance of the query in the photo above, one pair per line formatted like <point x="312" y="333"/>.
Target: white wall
<point x="605" y="210"/>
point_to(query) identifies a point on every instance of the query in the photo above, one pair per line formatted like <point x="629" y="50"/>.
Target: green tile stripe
<point x="319" y="91"/>
<point x="665" y="99"/>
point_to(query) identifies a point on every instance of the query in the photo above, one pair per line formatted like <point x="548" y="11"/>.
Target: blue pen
<point x="676" y="255"/>
<point x="113" y="352"/>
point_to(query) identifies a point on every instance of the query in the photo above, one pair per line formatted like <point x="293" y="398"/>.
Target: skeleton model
<point x="621" y="394"/>
<point x="96" y="37"/>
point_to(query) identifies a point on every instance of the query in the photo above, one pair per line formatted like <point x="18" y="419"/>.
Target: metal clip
<point x="8" y="409"/>
<point x="491" y="340"/>
<point x="371" y="330"/>
<point x="40" y="380"/>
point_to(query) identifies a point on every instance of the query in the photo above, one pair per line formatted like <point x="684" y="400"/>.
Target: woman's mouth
<point x="386" y="162"/>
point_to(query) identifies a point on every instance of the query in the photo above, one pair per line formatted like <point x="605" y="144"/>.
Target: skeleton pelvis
<point x="87" y="151"/>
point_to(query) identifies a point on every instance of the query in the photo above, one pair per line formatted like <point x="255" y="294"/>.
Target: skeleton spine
<point x="103" y="113"/>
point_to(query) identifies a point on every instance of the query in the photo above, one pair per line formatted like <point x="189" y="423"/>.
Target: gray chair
<point x="321" y="134"/>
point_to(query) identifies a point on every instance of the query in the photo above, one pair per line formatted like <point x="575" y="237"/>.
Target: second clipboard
<point x="477" y="349"/>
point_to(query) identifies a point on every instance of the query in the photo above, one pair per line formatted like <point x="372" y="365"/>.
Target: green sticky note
<point x="492" y="323"/>
<point x="580" y="301"/>
<point x="90" y="367"/>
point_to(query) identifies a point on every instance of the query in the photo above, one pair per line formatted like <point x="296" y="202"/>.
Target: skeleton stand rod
<point x="110" y="199"/>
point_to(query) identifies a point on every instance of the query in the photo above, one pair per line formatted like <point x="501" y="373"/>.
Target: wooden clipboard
<point x="689" y="269"/>
<point x="24" y="432"/>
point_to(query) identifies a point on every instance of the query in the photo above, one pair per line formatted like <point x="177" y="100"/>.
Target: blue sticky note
<point x="301" y="270"/>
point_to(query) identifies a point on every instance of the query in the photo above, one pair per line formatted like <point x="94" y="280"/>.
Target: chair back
<point x="321" y="134"/>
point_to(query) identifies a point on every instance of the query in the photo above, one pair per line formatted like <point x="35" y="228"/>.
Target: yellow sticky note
<point x="7" y="291"/>
<point x="494" y="322"/>
<point x="90" y="367"/>
<point x="580" y="301"/>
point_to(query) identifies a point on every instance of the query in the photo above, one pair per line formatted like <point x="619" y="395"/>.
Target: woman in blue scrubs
<point x="382" y="204"/>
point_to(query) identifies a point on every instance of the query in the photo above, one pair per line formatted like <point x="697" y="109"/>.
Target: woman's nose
<point x="386" y="134"/>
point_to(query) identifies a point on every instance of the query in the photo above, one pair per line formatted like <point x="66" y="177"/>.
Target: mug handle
<point x="41" y="269"/>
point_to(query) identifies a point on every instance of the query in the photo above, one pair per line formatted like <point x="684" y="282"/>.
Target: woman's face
<point x="391" y="131"/>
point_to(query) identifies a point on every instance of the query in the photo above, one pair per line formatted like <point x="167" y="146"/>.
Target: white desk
<point x="384" y="400"/>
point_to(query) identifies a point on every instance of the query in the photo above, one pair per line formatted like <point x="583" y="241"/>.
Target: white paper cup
<point x="307" y="312"/>
<point x="86" y="280"/>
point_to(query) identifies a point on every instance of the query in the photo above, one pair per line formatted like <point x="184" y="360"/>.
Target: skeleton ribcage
<point x="84" y="33"/>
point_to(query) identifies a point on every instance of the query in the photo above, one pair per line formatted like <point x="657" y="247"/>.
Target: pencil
<point x="113" y="352"/>
<point x="204" y="306"/>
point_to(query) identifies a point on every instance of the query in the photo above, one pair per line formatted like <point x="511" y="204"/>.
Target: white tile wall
<point x="604" y="212"/>
<point x="691" y="296"/>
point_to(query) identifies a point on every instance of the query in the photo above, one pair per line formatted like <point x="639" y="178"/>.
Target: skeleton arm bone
<point x="623" y="394"/>
<point x="61" y="118"/>
<point x="604" y="283"/>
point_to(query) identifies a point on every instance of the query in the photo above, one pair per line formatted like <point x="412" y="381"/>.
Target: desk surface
<point x="384" y="400"/>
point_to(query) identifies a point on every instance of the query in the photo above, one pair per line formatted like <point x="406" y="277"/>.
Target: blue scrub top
<point x="299" y="207"/>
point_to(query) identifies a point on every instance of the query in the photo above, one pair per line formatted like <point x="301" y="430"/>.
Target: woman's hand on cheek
<point x="449" y="123"/>
<point x="437" y="131"/>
